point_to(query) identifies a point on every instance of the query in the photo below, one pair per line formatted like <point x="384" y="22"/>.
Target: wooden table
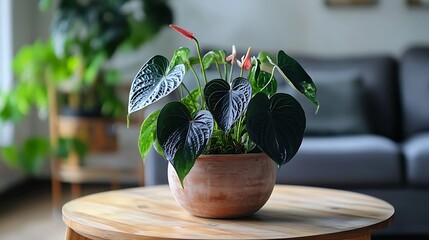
<point x="293" y="212"/>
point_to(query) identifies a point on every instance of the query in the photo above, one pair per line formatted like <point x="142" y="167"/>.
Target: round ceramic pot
<point x="225" y="186"/>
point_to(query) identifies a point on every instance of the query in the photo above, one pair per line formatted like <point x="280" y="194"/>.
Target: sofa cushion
<point x="352" y="161"/>
<point x="414" y="85"/>
<point x="340" y="94"/>
<point x="416" y="151"/>
<point x="380" y="84"/>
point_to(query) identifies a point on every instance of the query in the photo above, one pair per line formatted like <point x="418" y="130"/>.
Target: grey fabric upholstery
<point x="155" y="169"/>
<point x="414" y="85"/>
<point x="379" y="75"/>
<point x="361" y="160"/>
<point x="340" y="95"/>
<point x="416" y="151"/>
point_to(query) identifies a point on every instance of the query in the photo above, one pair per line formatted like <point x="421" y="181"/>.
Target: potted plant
<point x="220" y="137"/>
<point x="93" y="31"/>
<point x="68" y="74"/>
<point x="37" y="70"/>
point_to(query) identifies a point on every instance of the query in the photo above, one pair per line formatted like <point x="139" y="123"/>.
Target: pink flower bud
<point x="183" y="31"/>
<point x="246" y="63"/>
<point x="231" y="58"/>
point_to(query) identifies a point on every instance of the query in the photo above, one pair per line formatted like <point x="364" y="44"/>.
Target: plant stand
<point x="103" y="145"/>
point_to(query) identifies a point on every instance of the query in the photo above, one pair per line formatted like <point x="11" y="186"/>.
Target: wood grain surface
<point x="293" y="212"/>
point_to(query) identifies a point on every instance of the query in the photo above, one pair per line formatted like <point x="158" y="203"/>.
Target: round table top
<point x="292" y="212"/>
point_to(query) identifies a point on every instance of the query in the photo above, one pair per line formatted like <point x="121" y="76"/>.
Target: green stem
<point x="225" y="72"/>
<point x="240" y="122"/>
<point x="199" y="86"/>
<point x="218" y="69"/>
<point x="203" y="71"/>
<point x="180" y="92"/>
<point x="189" y="93"/>
<point x="231" y="70"/>
<point x="271" y="79"/>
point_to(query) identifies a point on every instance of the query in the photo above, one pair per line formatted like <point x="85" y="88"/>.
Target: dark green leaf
<point x="152" y="83"/>
<point x="182" y="137"/>
<point x="262" y="81"/>
<point x="295" y="75"/>
<point x="276" y="125"/>
<point x="227" y="102"/>
<point x="148" y="133"/>
<point x="254" y="73"/>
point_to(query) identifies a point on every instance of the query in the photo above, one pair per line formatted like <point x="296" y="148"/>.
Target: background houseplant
<point x="225" y="115"/>
<point x="68" y="72"/>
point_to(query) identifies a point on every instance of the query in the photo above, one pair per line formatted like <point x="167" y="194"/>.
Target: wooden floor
<point x="26" y="210"/>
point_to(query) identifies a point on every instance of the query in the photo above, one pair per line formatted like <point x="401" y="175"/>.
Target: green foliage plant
<point x="93" y="31"/>
<point x="226" y="115"/>
<point x="85" y="35"/>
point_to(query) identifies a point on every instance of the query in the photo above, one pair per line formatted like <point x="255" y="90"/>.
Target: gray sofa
<point x="371" y="134"/>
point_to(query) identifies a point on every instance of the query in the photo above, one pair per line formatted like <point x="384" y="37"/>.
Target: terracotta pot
<point x="225" y="186"/>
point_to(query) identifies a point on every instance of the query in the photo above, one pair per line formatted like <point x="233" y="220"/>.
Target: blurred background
<point x="66" y="68"/>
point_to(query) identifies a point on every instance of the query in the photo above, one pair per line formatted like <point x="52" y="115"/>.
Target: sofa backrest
<point x="414" y="85"/>
<point x="379" y="88"/>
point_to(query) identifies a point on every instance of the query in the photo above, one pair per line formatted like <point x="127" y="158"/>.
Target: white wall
<point x="297" y="26"/>
<point x="306" y="26"/>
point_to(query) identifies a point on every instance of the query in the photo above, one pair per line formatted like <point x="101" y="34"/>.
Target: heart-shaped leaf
<point x="276" y="125"/>
<point x="153" y="82"/>
<point x="296" y="76"/>
<point x="227" y="102"/>
<point x="181" y="56"/>
<point x="148" y="133"/>
<point x="182" y="137"/>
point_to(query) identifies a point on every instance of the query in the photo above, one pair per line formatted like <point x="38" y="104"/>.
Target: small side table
<point x="293" y="212"/>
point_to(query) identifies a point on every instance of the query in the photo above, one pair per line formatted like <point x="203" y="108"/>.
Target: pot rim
<point x="234" y="156"/>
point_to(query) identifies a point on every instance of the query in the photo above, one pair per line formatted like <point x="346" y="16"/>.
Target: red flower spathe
<point x="183" y="31"/>
<point x="246" y="62"/>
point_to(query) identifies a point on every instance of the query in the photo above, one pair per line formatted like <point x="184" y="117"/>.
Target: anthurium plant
<point x="226" y="115"/>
